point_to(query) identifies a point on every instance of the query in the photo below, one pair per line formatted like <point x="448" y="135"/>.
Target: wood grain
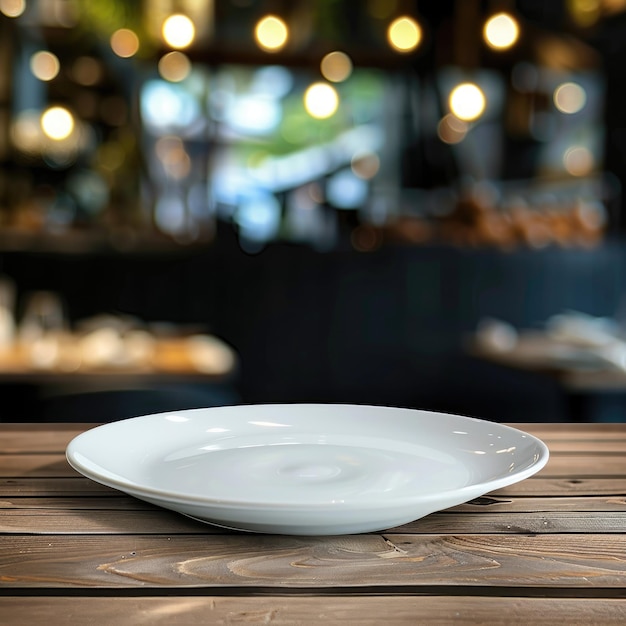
<point x="392" y="561"/>
<point x="544" y="486"/>
<point x="35" y="465"/>
<point x="290" y="611"/>
<point x="157" y="521"/>
<point x="549" y="549"/>
<point x="488" y="504"/>
<point x="535" y="486"/>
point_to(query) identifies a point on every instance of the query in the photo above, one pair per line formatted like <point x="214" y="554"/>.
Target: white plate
<point x="306" y="469"/>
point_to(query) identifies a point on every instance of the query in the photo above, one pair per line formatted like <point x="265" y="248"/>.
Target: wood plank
<point x="560" y="446"/>
<point x="500" y="504"/>
<point x="73" y="485"/>
<point x="37" y="438"/>
<point x="536" y="486"/>
<point x="86" y="521"/>
<point x="286" y="610"/>
<point x="556" y="522"/>
<point x="385" y="562"/>
<point x="158" y="521"/>
<point x="585" y="465"/>
<point x="483" y="505"/>
<point x="35" y="465"/>
<point x="572" y="430"/>
<point x="540" y="486"/>
<point x="90" y="503"/>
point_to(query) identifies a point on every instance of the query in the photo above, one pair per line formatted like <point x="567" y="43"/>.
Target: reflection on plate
<point x="306" y="469"/>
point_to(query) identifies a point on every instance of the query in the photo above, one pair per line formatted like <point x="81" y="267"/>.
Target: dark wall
<point x="384" y="327"/>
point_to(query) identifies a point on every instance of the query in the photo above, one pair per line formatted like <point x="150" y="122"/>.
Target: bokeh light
<point x="570" y="98"/>
<point x="501" y="31"/>
<point x="451" y="129"/>
<point x="174" y="66"/>
<point x="321" y="100"/>
<point x="578" y="161"/>
<point x="44" y="65"/>
<point x="12" y="8"/>
<point x="26" y="131"/>
<point x="57" y="123"/>
<point x="125" y="43"/>
<point x="404" y="34"/>
<point x="178" y="31"/>
<point x="365" y="165"/>
<point x="467" y="102"/>
<point x="271" y="33"/>
<point x="336" y="66"/>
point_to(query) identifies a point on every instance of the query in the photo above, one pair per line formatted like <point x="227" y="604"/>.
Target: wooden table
<point x="551" y="549"/>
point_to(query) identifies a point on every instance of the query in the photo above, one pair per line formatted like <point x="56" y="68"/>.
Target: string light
<point x="569" y="98"/>
<point x="501" y="31"/>
<point x="12" y="8"/>
<point x="271" y="33"/>
<point x="321" y="100"/>
<point x="125" y="43"/>
<point x="451" y="129"/>
<point x="57" y="123"/>
<point x="178" y="31"/>
<point x="44" y="65"/>
<point x="467" y="102"/>
<point x="174" y="66"/>
<point x="336" y="66"/>
<point x="404" y="34"/>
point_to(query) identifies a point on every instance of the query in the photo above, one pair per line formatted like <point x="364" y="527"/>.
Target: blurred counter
<point x="103" y="355"/>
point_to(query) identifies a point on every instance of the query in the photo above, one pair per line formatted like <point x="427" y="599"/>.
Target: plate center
<point x="308" y="472"/>
<point x="311" y="471"/>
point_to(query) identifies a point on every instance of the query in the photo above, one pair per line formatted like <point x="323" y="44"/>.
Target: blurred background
<point x="208" y="202"/>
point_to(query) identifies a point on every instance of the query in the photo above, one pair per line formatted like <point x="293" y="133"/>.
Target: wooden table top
<point x="550" y="549"/>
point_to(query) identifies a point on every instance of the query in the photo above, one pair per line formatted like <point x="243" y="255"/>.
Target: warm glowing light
<point x="570" y="98"/>
<point x="321" y="100"/>
<point x="125" y="43"/>
<point x="501" y="31"/>
<point x="12" y="8"/>
<point x="57" y="123"/>
<point x="365" y="165"/>
<point x="174" y="66"/>
<point x="578" y="161"/>
<point x="26" y="131"/>
<point x="467" y="102"/>
<point x="336" y="66"/>
<point x="404" y="34"/>
<point x="451" y="129"/>
<point x="178" y="31"/>
<point x="586" y="12"/>
<point x="44" y="65"/>
<point x="271" y="33"/>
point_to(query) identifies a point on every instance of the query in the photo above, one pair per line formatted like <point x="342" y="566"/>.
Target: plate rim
<point x="463" y="493"/>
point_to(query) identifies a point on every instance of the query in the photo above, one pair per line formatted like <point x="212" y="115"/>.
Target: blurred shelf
<point x="202" y="359"/>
